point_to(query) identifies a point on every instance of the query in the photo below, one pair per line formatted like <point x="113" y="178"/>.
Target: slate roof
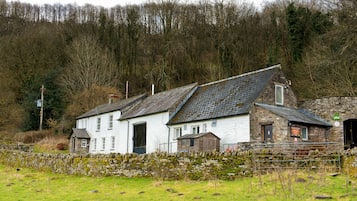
<point x="80" y="133"/>
<point x="295" y="115"/>
<point x="223" y="98"/>
<point x="110" y="107"/>
<point x="160" y="102"/>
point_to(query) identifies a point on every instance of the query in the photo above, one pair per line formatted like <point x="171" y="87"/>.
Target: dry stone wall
<point x="195" y="166"/>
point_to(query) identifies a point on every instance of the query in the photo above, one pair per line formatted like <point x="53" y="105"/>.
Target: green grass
<point x="28" y="185"/>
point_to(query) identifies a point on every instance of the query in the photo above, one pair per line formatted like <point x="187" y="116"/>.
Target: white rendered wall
<point x="90" y="124"/>
<point x="230" y="130"/>
<point x="156" y="132"/>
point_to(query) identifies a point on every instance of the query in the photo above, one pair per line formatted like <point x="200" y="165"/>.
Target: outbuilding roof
<point x="295" y="115"/>
<point x="198" y="135"/>
<point x="223" y="98"/>
<point x="80" y="133"/>
<point x="160" y="102"/>
<point x="110" y="107"/>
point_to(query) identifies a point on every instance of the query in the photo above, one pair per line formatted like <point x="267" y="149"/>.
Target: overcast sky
<point x="112" y="3"/>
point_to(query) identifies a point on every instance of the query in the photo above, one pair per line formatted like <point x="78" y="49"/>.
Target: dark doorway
<point x="267" y="131"/>
<point x="139" y="138"/>
<point x="350" y="133"/>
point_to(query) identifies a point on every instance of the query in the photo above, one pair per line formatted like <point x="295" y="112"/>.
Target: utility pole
<point x="41" y="111"/>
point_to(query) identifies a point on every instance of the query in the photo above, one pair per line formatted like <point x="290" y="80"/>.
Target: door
<point x="139" y="138"/>
<point x="350" y="133"/>
<point x="268" y="133"/>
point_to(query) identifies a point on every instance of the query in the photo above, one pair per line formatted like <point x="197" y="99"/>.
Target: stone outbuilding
<point x="198" y="142"/>
<point x="79" y="141"/>
<point x="341" y="112"/>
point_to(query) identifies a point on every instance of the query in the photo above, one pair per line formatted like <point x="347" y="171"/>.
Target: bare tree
<point x="89" y="65"/>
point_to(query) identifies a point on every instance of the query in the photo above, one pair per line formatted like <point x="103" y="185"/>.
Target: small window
<point x="177" y="132"/>
<point x="188" y="142"/>
<point x="214" y="123"/>
<point x="103" y="143"/>
<point x="195" y="129"/>
<point x="204" y="128"/>
<point x="110" y="126"/>
<point x="112" y="147"/>
<point x="279" y="95"/>
<point x="84" y="143"/>
<point x="304" y="133"/>
<point x="98" y="124"/>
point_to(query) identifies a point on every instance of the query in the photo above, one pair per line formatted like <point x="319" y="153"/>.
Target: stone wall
<point x="345" y="107"/>
<point x="193" y="166"/>
<point x="259" y="117"/>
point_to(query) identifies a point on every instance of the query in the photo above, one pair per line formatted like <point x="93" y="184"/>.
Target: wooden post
<point x="127" y="90"/>
<point x="41" y="111"/>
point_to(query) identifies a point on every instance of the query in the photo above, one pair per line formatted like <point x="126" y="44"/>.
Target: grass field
<point x="27" y="185"/>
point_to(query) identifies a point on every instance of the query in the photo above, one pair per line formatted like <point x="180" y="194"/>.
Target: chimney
<point x="112" y="97"/>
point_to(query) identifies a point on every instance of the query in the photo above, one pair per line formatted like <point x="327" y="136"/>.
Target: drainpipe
<point x="168" y="140"/>
<point x="127" y="138"/>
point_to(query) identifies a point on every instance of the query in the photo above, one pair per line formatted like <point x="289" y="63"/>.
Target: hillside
<point x="82" y="54"/>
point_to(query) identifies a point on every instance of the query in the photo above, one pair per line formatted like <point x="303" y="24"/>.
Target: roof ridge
<point x="242" y="75"/>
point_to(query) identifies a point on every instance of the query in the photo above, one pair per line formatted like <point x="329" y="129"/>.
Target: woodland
<point x="83" y="53"/>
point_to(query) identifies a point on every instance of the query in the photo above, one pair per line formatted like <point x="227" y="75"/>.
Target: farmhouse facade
<point x="257" y="106"/>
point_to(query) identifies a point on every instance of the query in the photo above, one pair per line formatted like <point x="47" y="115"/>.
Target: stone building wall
<point x="260" y="117"/>
<point x="268" y="95"/>
<point x="281" y="128"/>
<point x="327" y="108"/>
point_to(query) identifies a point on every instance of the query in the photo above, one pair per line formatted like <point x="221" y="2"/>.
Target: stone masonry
<point x="327" y="108"/>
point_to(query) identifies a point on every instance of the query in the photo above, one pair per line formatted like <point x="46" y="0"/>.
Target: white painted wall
<point x="230" y="130"/>
<point x="105" y="132"/>
<point x="156" y="132"/>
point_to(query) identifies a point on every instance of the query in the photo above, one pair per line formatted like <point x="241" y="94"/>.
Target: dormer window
<point x="279" y="95"/>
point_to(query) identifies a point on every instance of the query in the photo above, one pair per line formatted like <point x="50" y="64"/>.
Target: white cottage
<point x="102" y="127"/>
<point x="145" y="125"/>
<point x="257" y="106"/>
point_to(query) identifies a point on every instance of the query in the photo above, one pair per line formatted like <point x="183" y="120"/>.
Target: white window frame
<point x="112" y="146"/>
<point x="110" y="126"/>
<point x="103" y="143"/>
<point x="307" y="133"/>
<point x="177" y="133"/>
<point x="279" y="88"/>
<point x="98" y="123"/>
<point x="84" y="143"/>
<point x="195" y="129"/>
<point x="204" y="128"/>
<point x="94" y="143"/>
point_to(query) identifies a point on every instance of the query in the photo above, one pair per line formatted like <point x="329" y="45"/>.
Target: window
<point x="195" y="129"/>
<point x="110" y="126"/>
<point x="204" y="128"/>
<point x="177" y="132"/>
<point x="214" y="123"/>
<point x="94" y="143"/>
<point x="304" y="133"/>
<point x="103" y="143"/>
<point x="279" y="95"/>
<point x="84" y="143"/>
<point x="112" y="147"/>
<point x="98" y="124"/>
<point x="188" y="142"/>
